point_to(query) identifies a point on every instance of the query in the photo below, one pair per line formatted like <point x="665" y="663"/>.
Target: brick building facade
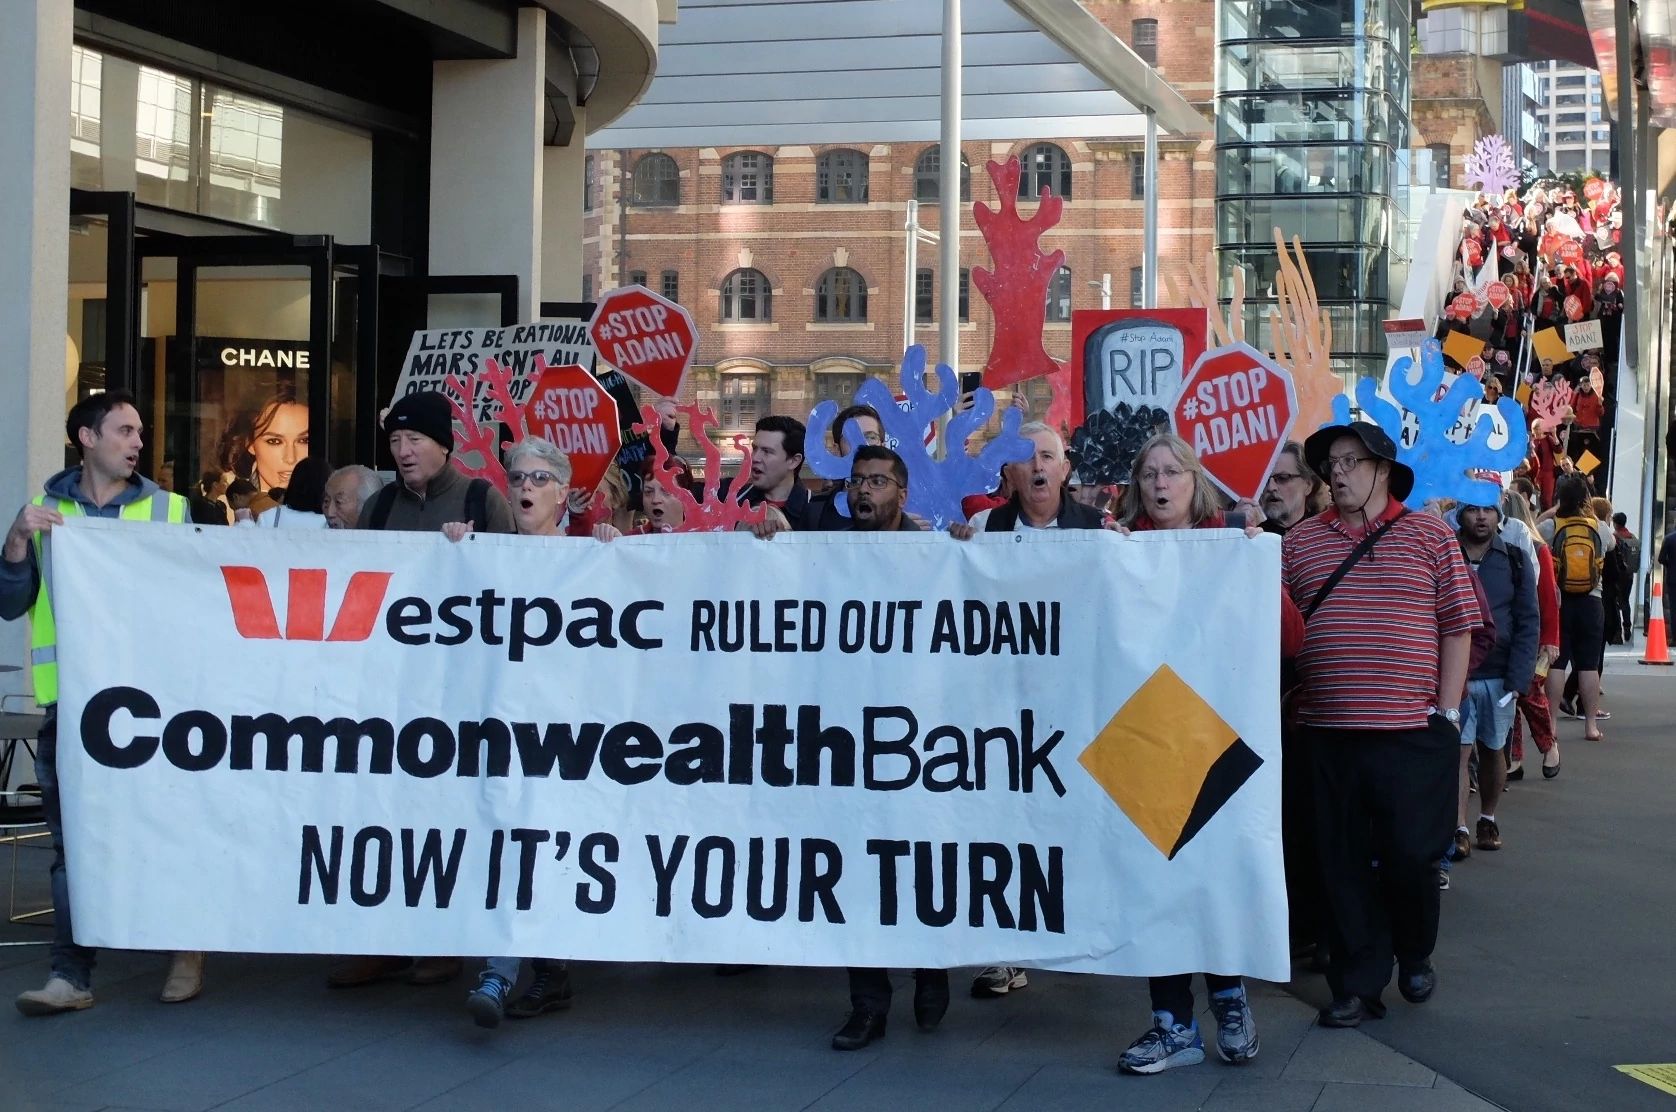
<point x="792" y="259"/>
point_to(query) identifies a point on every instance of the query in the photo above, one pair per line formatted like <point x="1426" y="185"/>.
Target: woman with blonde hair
<point x="1169" y="490"/>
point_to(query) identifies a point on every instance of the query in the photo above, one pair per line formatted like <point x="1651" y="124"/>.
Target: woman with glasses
<point x="1169" y="490"/>
<point x="537" y="480"/>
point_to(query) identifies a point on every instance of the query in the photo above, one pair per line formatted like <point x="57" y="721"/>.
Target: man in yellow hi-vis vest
<point x="106" y="428"/>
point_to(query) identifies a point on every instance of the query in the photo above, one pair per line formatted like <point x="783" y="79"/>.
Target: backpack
<point x="1577" y="555"/>
<point x="477" y="505"/>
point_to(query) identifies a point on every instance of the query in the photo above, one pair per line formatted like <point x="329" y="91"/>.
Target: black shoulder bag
<point x="1350" y="561"/>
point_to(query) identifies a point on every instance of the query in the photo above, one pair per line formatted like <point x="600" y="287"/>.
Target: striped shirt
<point x="1370" y="656"/>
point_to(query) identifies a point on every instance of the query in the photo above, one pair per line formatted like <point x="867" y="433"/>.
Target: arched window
<point x="657" y="181"/>
<point x="841" y="296"/>
<point x="748" y="178"/>
<point x="1143" y="37"/>
<point x="1045" y="165"/>
<point x="928" y="180"/>
<point x="841" y="178"/>
<point x="745" y="296"/>
<point x="1059" y="296"/>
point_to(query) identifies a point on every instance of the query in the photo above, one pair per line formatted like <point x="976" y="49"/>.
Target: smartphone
<point x="970" y="381"/>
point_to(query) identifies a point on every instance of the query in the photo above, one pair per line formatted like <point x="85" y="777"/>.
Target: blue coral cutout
<point x="1443" y="468"/>
<point x="935" y="487"/>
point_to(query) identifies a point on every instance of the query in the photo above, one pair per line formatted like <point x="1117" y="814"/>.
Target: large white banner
<point x="864" y="749"/>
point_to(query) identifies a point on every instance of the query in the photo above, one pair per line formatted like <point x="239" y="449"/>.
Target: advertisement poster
<point x="250" y="419"/>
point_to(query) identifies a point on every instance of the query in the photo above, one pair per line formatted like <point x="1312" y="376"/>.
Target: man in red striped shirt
<point x="1382" y="670"/>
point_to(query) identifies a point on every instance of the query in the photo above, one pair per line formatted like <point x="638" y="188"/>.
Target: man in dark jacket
<point x="1509" y="584"/>
<point x="429" y="492"/>
<point x="1039" y="500"/>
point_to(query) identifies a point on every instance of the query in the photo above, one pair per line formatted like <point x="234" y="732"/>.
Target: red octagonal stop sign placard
<point x="569" y="407"/>
<point x="646" y="336"/>
<point x="1236" y="409"/>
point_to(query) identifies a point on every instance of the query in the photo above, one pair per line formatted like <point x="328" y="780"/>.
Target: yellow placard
<point x="1661" y="1077"/>
<point x="1549" y="345"/>
<point x="1462" y="347"/>
<point x="1587" y="462"/>
<point x="1523" y="394"/>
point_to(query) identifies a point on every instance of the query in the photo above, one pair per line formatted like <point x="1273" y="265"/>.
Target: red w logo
<point x="305" y="610"/>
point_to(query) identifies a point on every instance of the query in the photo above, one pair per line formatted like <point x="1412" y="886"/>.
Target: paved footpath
<point x="1555" y="965"/>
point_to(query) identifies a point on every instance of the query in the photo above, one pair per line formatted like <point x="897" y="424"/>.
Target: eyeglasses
<point x="1284" y="477"/>
<point x="1152" y="475"/>
<point x="536" y="478"/>
<point x="1344" y="465"/>
<point x="871" y="482"/>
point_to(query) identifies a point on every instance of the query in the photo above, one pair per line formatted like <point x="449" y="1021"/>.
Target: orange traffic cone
<point x="1657" y="651"/>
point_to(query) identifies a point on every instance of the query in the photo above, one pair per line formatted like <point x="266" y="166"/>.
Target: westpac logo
<point x="255" y="616"/>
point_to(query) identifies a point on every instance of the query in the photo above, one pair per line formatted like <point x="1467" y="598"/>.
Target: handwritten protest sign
<point x="435" y="355"/>
<point x="1584" y="336"/>
<point x="1136" y="357"/>
<point x="700" y="748"/>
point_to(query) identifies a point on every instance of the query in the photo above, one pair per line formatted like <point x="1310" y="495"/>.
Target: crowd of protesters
<point x="1408" y="642"/>
<point x="1557" y="259"/>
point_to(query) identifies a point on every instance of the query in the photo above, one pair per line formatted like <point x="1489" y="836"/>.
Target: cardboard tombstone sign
<point x="1134" y="357"/>
<point x="1443" y="429"/>
<point x="935" y="486"/>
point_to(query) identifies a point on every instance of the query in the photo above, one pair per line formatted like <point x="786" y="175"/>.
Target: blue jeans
<point x="72" y="962"/>
<point x="508" y="969"/>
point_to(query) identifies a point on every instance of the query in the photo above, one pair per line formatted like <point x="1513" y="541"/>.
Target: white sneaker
<point x="998" y="980"/>
<point x="57" y="996"/>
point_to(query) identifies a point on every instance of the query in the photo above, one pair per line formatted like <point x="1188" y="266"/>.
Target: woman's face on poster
<point x="279" y="444"/>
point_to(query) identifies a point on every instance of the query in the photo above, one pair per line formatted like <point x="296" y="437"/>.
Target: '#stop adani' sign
<point x="647" y="337"/>
<point x="569" y="407"/>
<point x="1236" y="409"/>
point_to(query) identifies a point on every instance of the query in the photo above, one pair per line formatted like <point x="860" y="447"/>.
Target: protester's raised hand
<point x="605" y="531"/>
<point x="961" y="531"/>
<point x="456" y="530"/>
<point x="765" y="529"/>
<point x="578" y="501"/>
<point x="30" y="520"/>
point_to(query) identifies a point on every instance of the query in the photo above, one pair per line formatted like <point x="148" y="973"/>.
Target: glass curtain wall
<point x="1312" y="138"/>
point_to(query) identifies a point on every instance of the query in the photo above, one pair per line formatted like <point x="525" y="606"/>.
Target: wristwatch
<point x="1453" y="717"/>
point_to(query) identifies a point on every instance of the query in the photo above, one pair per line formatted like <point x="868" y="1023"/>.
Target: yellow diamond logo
<point x="1168" y="761"/>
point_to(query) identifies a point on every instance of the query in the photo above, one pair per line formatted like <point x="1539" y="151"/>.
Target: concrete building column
<point x="35" y="265"/>
<point x="487" y="165"/>
<point x="562" y="255"/>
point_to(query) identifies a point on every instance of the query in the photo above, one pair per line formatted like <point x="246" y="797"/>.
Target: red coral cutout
<point x="477" y="448"/>
<point x="712" y="514"/>
<point x="1018" y="286"/>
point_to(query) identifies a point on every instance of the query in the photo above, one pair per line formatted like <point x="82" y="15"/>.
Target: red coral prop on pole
<point x="1018" y="286"/>
<point x="712" y="514"/>
<point x="477" y="444"/>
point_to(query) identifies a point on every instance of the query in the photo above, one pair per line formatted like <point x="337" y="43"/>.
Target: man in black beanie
<point x="428" y="493"/>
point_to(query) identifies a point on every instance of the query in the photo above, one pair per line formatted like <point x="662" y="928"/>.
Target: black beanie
<point x="426" y="412"/>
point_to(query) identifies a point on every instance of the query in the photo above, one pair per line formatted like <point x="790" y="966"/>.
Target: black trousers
<point x="870" y="988"/>
<point x="1174" y="994"/>
<point x="1385" y="812"/>
<point x="1304" y="899"/>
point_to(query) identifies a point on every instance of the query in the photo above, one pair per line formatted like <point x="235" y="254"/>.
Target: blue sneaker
<point x="487" y="1002"/>
<point x="1236" y="1031"/>
<point x="1167" y="1045"/>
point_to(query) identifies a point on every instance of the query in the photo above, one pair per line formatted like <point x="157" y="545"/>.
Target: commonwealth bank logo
<point x="1169" y="761"/>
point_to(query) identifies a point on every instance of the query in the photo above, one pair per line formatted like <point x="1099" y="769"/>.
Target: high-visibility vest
<point x="43" y="632"/>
